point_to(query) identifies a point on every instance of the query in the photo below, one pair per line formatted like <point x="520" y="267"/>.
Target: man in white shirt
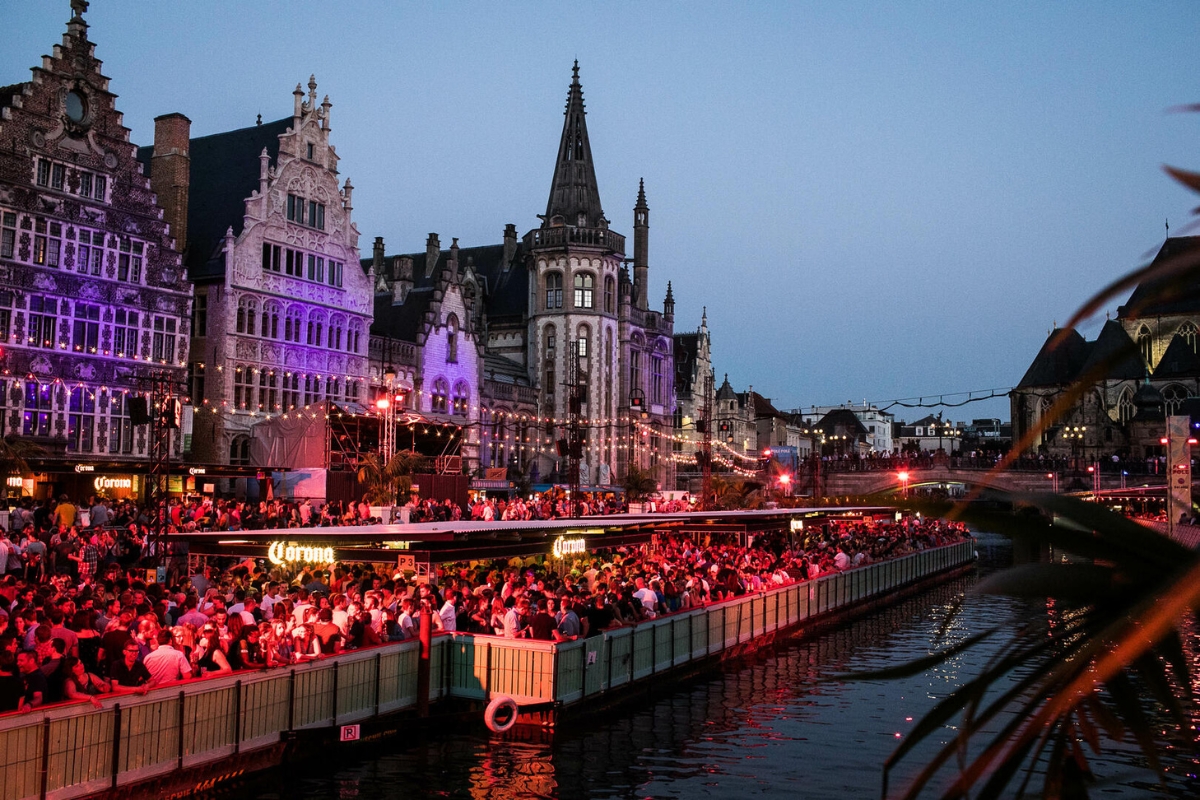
<point x="514" y="623"/>
<point x="405" y="621"/>
<point x="165" y="663"/>
<point x="646" y="597"/>
<point x="448" y="613"/>
<point x="269" y="600"/>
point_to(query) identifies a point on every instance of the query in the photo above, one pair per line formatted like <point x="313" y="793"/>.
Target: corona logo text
<point x="197" y="471"/>
<point x="102" y="483"/>
<point x="280" y="553"/>
<point x="85" y="468"/>
<point x="564" y="547"/>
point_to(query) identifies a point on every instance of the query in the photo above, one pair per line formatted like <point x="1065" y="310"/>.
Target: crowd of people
<point x="79" y="621"/>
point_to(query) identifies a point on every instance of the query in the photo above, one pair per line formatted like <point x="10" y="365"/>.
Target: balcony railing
<point x="567" y="235"/>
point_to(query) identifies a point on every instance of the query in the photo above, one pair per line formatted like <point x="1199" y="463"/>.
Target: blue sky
<point x="873" y="201"/>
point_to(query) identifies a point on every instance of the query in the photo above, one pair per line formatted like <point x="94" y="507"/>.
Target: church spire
<point x="574" y="195"/>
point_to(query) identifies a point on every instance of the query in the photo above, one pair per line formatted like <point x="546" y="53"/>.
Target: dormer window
<point x="310" y="151"/>
<point x="306" y="212"/>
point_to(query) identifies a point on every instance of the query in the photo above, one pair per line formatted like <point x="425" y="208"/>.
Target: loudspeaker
<point x="139" y="410"/>
<point x="701" y="425"/>
<point x="561" y="447"/>
<point x="576" y="449"/>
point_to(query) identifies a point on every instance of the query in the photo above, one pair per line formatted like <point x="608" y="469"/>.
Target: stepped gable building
<point x="93" y="300"/>
<point x="425" y="344"/>
<point x="556" y="305"/>
<point x="282" y="304"/>
<point x="1142" y="367"/>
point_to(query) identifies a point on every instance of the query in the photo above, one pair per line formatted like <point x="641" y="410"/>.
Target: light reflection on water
<point x="773" y="726"/>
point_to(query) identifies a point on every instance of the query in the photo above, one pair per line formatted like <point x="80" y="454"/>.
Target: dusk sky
<point x="874" y="201"/>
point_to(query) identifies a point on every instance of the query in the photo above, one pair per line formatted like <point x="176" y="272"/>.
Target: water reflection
<point x="772" y="726"/>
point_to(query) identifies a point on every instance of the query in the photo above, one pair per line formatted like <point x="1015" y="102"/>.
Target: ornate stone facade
<point x="93" y="298"/>
<point x="273" y="253"/>
<point x="559" y="303"/>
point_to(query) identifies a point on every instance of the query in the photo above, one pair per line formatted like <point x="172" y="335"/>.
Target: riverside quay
<point x="460" y="636"/>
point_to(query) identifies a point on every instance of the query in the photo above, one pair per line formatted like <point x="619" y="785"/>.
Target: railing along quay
<point x="71" y="751"/>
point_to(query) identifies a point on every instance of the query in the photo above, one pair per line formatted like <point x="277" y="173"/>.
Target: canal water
<point x="776" y="725"/>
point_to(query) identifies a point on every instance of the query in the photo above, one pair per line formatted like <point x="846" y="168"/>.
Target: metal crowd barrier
<point x="68" y="751"/>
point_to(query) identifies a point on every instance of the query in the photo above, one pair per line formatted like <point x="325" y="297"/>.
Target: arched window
<point x="293" y="323"/>
<point x="336" y="327"/>
<point x="1146" y="344"/>
<point x="1173" y="397"/>
<point x="354" y="337"/>
<point x="291" y="390"/>
<point x="462" y="399"/>
<point x="1188" y="331"/>
<point x="239" y="451"/>
<point x="316" y="328"/>
<point x="554" y="289"/>
<point x="1125" y="406"/>
<point x="452" y="338"/>
<point x="243" y="387"/>
<point x="246" y="315"/>
<point x="439" y="400"/>
<point x="270" y="320"/>
<point x="584" y="287"/>
<point x="610" y="301"/>
<point x="268" y="390"/>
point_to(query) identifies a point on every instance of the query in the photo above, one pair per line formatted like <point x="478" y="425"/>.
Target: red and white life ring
<point x="501" y="714"/>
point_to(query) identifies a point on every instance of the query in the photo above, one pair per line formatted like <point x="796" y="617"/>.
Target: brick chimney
<point x="510" y="244"/>
<point x="170" y="172"/>
<point x="433" y="251"/>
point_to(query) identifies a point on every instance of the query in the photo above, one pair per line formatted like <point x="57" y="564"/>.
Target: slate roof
<point x="1114" y="350"/>
<point x="1056" y="365"/>
<point x="726" y="391"/>
<point x="687" y="349"/>
<point x="504" y="291"/>
<point x="763" y="407"/>
<point x="224" y="172"/>
<point x="1179" y="294"/>
<point x="842" y="419"/>
<point x="1180" y="361"/>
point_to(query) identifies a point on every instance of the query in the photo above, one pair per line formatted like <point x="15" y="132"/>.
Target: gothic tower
<point x="574" y="262"/>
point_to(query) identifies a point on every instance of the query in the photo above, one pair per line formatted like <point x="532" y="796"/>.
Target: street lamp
<point x="785" y="484"/>
<point x="1074" y="435"/>
<point x="903" y="476"/>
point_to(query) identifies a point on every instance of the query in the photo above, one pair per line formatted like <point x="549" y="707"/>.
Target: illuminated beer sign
<point x="564" y="546"/>
<point x="797" y="525"/>
<point x="101" y="483"/>
<point x="85" y="467"/>
<point x="283" y="553"/>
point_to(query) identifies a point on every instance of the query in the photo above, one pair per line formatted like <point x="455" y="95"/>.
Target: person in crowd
<point x="81" y="684"/>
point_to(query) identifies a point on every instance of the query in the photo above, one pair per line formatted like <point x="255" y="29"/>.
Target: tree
<point x="638" y="484"/>
<point x="383" y="482"/>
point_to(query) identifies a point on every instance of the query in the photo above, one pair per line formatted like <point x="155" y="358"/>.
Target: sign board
<point x="406" y="563"/>
<point x="797" y="525"/>
<point x="350" y="733"/>
<point x="281" y="553"/>
<point x="564" y="546"/>
<point x="1179" y="466"/>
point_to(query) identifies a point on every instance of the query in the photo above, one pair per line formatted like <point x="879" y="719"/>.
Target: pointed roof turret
<point x="641" y="201"/>
<point x="574" y="195"/>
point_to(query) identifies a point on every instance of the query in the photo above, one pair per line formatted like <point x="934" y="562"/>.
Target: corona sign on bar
<point x="564" y="547"/>
<point x="101" y="483"/>
<point x="284" y="553"/>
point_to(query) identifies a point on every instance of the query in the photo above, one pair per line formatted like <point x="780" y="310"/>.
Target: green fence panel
<point x="265" y="707"/>
<point x="700" y="634"/>
<point x="523" y="672"/>
<point x="568" y="673"/>
<point x="209" y="721"/>
<point x="620" y="662"/>
<point x="314" y="697"/>
<point x="643" y="651"/>
<point x="716" y="629"/>
<point x="595" y="664"/>
<point x="681" y="637"/>
<point x="21" y="760"/>
<point x="356" y="688"/>
<point x="80" y="751"/>
<point x="150" y="732"/>
<point x="469" y="666"/>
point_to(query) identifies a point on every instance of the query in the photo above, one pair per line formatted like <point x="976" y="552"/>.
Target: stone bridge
<point x="885" y="480"/>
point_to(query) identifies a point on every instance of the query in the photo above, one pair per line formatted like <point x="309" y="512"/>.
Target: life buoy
<point x="501" y="714"/>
